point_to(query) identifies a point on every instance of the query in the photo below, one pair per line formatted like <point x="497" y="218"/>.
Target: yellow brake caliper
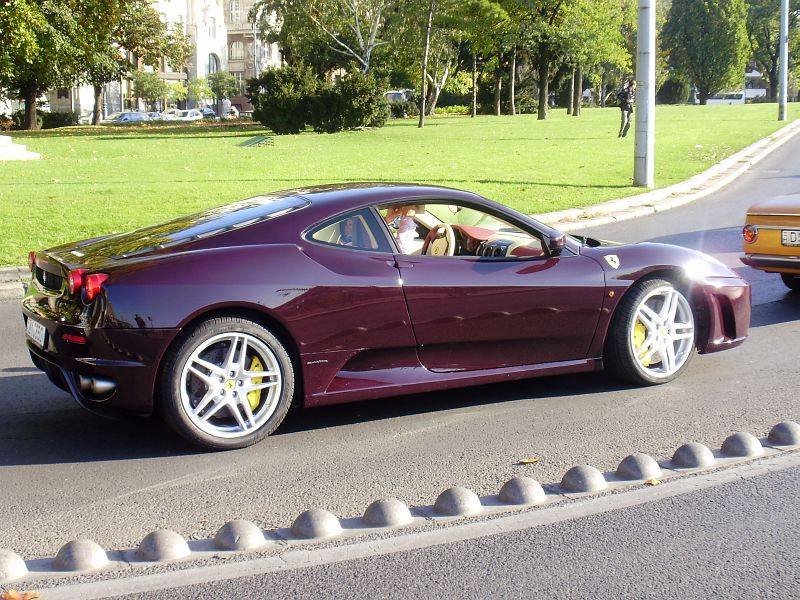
<point x="254" y="397"/>
<point x="639" y="336"/>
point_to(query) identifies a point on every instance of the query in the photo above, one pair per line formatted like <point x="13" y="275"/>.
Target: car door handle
<point x="403" y="264"/>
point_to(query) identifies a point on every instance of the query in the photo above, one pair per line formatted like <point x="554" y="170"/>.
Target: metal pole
<point x="784" y="61"/>
<point x="644" y="152"/>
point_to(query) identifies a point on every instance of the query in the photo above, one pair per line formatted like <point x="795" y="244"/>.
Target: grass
<point x="94" y="181"/>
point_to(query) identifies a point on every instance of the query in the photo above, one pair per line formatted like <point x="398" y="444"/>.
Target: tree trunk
<point x="498" y="90"/>
<point x="438" y="86"/>
<point x="571" y="92"/>
<point x="98" y="104"/>
<point x="474" y="85"/>
<point x="425" y="54"/>
<point x="577" y="93"/>
<point x="513" y="87"/>
<point x="544" y="74"/>
<point x="703" y="94"/>
<point x="30" y="109"/>
<point x="772" y="76"/>
<point x="603" y="90"/>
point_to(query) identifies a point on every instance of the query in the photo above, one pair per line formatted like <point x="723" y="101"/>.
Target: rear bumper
<point x="773" y="262"/>
<point x="726" y="317"/>
<point x="127" y="357"/>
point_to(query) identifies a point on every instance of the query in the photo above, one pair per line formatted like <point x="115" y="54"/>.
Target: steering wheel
<point x="440" y="241"/>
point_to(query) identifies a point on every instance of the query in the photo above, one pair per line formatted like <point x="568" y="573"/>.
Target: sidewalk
<point x="576" y="219"/>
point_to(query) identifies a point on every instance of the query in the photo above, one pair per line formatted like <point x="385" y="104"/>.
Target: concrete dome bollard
<point x="458" y="502"/>
<point x="638" y="466"/>
<point x="316" y="524"/>
<point x="163" y="544"/>
<point x="80" y="555"/>
<point x="239" y="535"/>
<point x="12" y="567"/>
<point x="521" y="490"/>
<point x="785" y="433"/>
<point x="583" y="478"/>
<point x="742" y="444"/>
<point x="693" y="455"/>
<point x="387" y="513"/>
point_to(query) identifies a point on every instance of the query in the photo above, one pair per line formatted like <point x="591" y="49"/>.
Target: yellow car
<point x="772" y="238"/>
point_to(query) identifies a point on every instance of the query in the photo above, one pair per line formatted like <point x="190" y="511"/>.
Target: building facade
<point x="223" y="39"/>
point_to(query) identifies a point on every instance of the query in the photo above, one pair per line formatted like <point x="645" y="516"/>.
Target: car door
<point x="476" y="312"/>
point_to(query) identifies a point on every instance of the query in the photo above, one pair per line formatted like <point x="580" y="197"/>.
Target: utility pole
<point x="643" y="159"/>
<point x="784" y="61"/>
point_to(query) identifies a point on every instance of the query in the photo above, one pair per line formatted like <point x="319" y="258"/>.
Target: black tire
<point x="620" y="357"/>
<point x="180" y="387"/>
<point x="791" y="281"/>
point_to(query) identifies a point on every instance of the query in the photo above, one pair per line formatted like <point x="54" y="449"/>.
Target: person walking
<point x="627" y="98"/>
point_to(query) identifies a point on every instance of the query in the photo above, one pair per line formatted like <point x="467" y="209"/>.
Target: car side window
<point x="358" y="230"/>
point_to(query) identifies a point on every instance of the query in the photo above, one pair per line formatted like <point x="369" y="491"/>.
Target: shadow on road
<point x="71" y="435"/>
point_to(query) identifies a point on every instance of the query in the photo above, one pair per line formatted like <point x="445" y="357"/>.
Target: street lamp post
<point x="784" y="60"/>
<point x="644" y="159"/>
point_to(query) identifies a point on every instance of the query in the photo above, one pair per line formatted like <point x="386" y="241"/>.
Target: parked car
<point x="154" y="116"/>
<point x="169" y="114"/>
<point x="132" y="117"/>
<point x="208" y="113"/>
<point x="222" y="319"/>
<point x="772" y="238"/>
<point x="110" y="118"/>
<point x="187" y="115"/>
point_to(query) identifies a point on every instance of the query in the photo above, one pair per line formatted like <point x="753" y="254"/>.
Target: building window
<point x="235" y="8"/>
<point x="237" y="50"/>
<point x="62" y="93"/>
<point x="213" y="64"/>
<point x="212" y="27"/>
<point x="240" y="80"/>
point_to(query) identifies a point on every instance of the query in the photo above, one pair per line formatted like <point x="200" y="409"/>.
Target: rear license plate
<point x="790" y="237"/>
<point x="37" y="332"/>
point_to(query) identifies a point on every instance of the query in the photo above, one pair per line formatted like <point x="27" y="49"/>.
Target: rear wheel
<point x="791" y="281"/>
<point x="652" y="336"/>
<point x="227" y="384"/>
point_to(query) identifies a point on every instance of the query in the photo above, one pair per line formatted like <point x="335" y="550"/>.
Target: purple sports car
<point x="222" y="319"/>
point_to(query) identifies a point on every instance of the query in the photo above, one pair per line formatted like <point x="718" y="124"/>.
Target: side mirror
<point x="556" y="244"/>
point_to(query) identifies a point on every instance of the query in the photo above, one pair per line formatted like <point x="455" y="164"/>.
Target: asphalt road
<point x="66" y="474"/>
<point x="737" y="540"/>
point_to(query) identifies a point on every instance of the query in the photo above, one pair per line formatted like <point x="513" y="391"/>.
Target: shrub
<point x="51" y="120"/>
<point x="456" y="109"/>
<point x="362" y="101"/>
<point x="406" y="108"/>
<point x="18" y="119"/>
<point x="674" y="90"/>
<point x="281" y="98"/>
<point x="5" y="123"/>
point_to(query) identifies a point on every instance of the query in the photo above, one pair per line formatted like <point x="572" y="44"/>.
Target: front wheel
<point x="227" y="384"/>
<point x="791" y="281"/>
<point x="652" y="336"/>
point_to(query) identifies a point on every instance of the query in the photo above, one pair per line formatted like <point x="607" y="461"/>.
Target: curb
<point x="694" y="188"/>
<point x="453" y="506"/>
<point x="11" y="282"/>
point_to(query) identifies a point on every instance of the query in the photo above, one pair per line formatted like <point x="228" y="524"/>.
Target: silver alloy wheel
<point x="661" y="332"/>
<point x="221" y="377"/>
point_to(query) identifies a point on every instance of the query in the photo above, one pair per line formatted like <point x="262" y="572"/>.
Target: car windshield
<point x="461" y="215"/>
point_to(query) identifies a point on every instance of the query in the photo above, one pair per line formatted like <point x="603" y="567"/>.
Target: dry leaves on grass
<point x="653" y="482"/>
<point x="529" y="461"/>
<point x="15" y="595"/>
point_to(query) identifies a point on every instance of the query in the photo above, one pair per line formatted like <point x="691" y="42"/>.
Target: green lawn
<point x="93" y="181"/>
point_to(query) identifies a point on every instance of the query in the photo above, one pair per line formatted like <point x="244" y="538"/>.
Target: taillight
<point x="93" y="284"/>
<point x="75" y="280"/>
<point x="32" y="260"/>
<point x="750" y="233"/>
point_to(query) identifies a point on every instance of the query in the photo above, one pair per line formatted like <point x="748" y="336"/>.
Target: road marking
<point x="298" y="559"/>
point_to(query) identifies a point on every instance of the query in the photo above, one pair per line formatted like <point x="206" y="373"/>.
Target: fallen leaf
<point x="653" y="482"/>
<point x="528" y="461"/>
<point x="15" y="595"/>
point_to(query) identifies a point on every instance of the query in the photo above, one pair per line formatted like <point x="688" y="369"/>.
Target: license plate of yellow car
<point x="790" y="237"/>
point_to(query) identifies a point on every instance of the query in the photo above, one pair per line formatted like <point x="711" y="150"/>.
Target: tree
<point x="763" y="32"/>
<point x="198" y="90"/>
<point x="51" y="56"/>
<point x="352" y="29"/>
<point x="121" y="34"/>
<point x="150" y="87"/>
<point x="223" y="85"/>
<point x="707" y="41"/>
<point x="19" y="21"/>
